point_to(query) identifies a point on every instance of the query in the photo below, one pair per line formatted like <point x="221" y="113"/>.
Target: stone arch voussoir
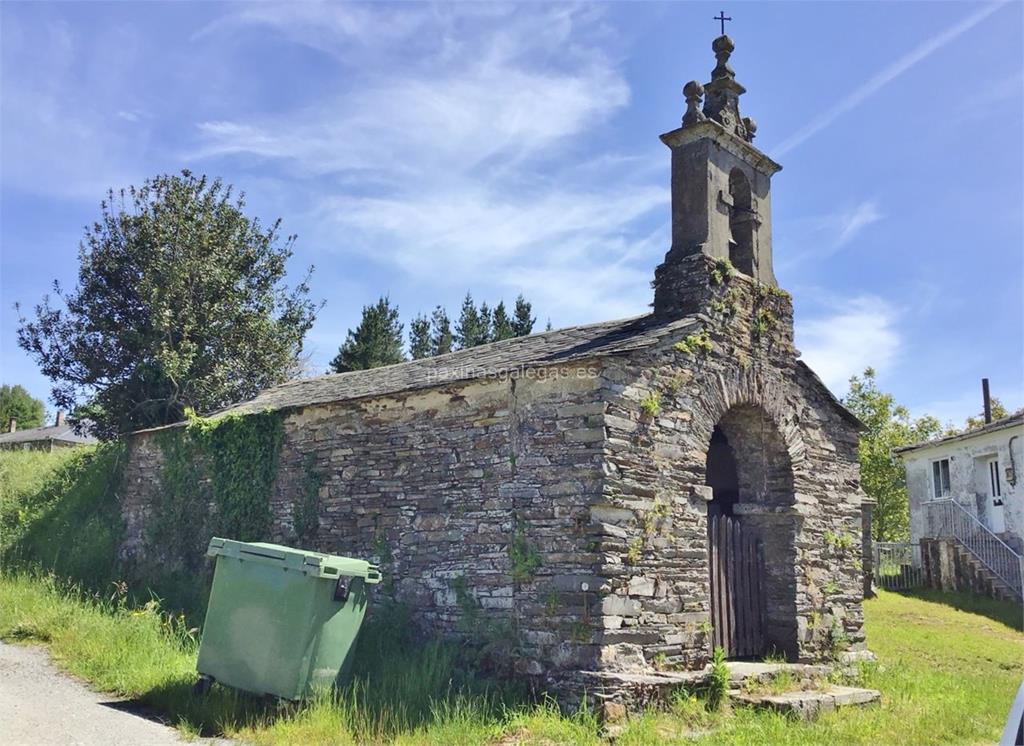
<point x="748" y="387"/>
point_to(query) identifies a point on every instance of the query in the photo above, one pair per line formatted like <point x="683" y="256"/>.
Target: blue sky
<point x="422" y="150"/>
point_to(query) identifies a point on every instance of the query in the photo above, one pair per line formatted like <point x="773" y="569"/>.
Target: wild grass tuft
<point x="717" y="694"/>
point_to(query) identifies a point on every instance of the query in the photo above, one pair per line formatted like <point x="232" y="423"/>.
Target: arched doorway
<point x="751" y="534"/>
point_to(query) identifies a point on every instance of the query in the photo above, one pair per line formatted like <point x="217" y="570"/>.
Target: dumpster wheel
<point x="202" y="685"/>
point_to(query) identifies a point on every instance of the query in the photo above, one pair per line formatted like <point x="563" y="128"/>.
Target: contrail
<point x="883" y="78"/>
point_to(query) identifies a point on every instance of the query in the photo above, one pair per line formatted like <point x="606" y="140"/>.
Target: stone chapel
<point x="617" y="496"/>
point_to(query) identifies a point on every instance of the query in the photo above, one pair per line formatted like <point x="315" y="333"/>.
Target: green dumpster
<point x="281" y="621"/>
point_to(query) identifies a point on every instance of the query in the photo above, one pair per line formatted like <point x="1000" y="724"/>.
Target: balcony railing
<point x="948" y="518"/>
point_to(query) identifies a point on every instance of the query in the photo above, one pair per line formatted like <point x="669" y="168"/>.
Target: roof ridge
<point x="465" y="351"/>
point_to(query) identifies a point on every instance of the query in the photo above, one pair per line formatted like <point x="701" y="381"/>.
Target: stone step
<point x="991" y="582"/>
<point x="807" y="705"/>
<point x="619" y="692"/>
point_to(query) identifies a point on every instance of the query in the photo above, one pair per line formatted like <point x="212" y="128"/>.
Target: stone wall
<point x="473" y="498"/>
<point x="807" y="509"/>
<point x="563" y="511"/>
<point x="468" y="496"/>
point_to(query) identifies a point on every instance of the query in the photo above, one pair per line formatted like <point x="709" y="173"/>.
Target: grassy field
<point x="59" y="510"/>
<point x="948" y="669"/>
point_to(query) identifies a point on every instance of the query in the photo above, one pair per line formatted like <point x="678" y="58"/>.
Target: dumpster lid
<point x="311" y="563"/>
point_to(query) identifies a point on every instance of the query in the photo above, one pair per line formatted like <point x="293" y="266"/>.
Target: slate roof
<point x="490" y="360"/>
<point x="1017" y="418"/>
<point x="574" y="343"/>
<point x="59" y="433"/>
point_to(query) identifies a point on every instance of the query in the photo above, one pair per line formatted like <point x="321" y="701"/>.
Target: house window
<point x="993" y="477"/>
<point x="940" y="477"/>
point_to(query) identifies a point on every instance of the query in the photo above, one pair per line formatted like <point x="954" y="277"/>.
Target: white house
<point x="982" y="470"/>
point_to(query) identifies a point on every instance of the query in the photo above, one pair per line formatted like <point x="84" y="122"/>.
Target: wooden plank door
<point x="737" y="593"/>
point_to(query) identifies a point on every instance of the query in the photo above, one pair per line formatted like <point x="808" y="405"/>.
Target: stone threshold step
<point x="807" y="705"/>
<point x="739" y="673"/>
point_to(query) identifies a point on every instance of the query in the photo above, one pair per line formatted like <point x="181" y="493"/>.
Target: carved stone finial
<point x="722" y="102"/>
<point x="751" y="126"/>
<point x="694" y="92"/>
<point x="722" y="47"/>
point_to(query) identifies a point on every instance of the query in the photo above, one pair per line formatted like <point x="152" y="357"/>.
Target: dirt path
<point x="41" y="705"/>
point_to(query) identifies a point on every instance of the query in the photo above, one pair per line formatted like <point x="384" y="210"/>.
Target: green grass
<point x="59" y="511"/>
<point x="23" y="476"/>
<point x="948" y="668"/>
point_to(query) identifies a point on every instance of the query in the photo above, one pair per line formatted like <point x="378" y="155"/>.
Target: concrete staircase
<point x="962" y="553"/>
<point x="978" y="578"/>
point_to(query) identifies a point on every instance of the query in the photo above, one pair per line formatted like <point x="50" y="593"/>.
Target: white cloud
<point x="825" y="235"/>
<point x="426" y="124"/>
<point x="450" y="167"/>
<point x="857" y="333"/>
<point x="328" y="27"/>
<point x="955" y="410"/>
<point x="883" y="78"/>
<point x="852" y="222"/>
<point x="567" y="247"/>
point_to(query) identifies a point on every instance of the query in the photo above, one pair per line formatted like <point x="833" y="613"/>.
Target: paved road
<point x="41" y="705"/>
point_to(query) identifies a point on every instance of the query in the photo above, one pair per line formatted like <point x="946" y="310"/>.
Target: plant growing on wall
<point x="722" y="272"/>
<point x="696" y="344"/>
<point x="523" y="558"/>
<point x="650" y="406"/>
<point x="217" y="477"/>
<point x="306" y="517"/>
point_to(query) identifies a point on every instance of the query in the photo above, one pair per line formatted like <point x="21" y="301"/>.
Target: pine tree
<point x="419" y="338"/>
<point x="376" y="341"/>
<point x="441" y="340"/>
<point x="485" y="325"/>
<point x="523" y="322"/>
<point x="501" y="324"/>
<point x="468" y="331"/>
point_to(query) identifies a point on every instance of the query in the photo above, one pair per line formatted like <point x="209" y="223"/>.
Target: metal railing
<point x="897" y="565"/>
<point x="948" y="518"/>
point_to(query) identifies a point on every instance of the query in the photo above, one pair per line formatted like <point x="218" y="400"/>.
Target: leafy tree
<point x="17" y="404"/>
<point x="469" y="331"/>
<point x="419" y="338"/>
<point x="501" y="324"/>
<point x="999" y="411"/>
<point x="522" y="324"/>
<point x="375" y="342"/>
<point x="180" y="304"/>
<point x="889" y="426"/>
<point x="441" y="338"/>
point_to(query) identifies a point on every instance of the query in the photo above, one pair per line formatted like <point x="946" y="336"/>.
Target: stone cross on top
<point x="722" y="93"/>
<point x="722" y="17"/>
